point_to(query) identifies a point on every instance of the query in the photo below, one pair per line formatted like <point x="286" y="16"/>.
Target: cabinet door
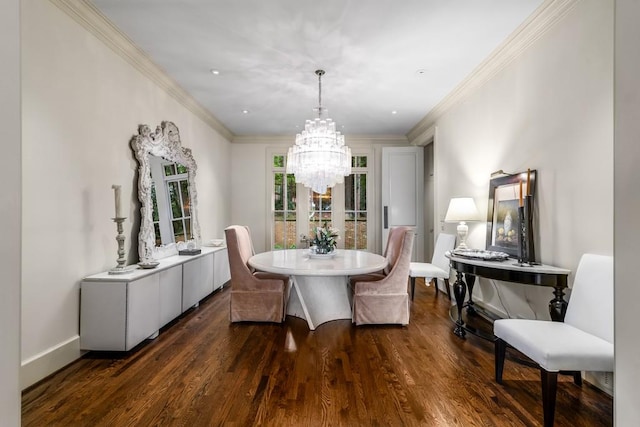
<point x="170" y="294"/>
<point x="143" y="309"/>
<point x="103" y="315"/>
<point x="207" y="275"/>
<point x="197" y="280"/>
<point x="191" y="273"/>
<point x="221" y="274"/>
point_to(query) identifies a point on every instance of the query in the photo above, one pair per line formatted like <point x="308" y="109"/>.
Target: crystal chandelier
<point x="319" y="158"/>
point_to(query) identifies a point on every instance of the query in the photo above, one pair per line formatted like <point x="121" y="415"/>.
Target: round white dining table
<point x="320" y="291"/>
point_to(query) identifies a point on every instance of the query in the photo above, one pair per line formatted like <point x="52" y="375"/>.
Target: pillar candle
<point x="116" y="191"/>
<point x="521" y="203"/>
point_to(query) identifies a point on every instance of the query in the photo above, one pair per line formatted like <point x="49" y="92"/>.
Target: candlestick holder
<point x="523" y="250"/>
<point x="120" y="268"/>
<point x="528" y="220"/>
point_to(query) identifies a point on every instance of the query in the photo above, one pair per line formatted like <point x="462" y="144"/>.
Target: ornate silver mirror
<point x="167" y="192"/>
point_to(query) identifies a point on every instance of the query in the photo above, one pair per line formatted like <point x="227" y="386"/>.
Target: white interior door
<point x="403" y="193"/>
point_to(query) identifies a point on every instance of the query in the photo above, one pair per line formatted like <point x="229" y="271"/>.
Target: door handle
<point x="386" y="217"/>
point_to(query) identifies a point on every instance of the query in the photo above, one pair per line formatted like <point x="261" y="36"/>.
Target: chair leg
<point x="500" y="352"/>
<point x="577" y="378"/>
<point x="446" y="285"/>
<point x="549" y="389"/>
<point x="413" y="287"/>
<point x="434" y="283"/>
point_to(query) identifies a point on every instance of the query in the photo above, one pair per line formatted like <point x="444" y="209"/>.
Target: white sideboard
<point x="117" y="312"/>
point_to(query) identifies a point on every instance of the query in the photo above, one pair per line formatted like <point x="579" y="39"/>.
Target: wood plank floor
<point x="204" y="371"/>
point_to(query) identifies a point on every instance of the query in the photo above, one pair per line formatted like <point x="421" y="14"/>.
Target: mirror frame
<point x="165" y="143"/>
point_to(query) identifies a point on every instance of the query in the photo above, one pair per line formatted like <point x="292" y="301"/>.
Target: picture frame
<point x="503" y="221"/>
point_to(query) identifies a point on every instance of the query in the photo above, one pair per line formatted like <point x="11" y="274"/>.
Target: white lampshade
<point x="461" y="210"/>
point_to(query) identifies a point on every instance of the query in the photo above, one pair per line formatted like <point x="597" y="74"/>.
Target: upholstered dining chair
<point x="583" y="342"/>
<point x="384" y="299"/>
<point x="390" y="253"/>
<point x="255" y="296"/>
<point x="437" y="269"/>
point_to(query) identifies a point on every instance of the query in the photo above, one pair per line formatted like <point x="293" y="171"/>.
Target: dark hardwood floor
<point x="204" y="371"/>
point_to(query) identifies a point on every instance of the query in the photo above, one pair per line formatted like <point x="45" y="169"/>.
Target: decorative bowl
<point x="216" y="242"/>
<point x="148" y="264"/>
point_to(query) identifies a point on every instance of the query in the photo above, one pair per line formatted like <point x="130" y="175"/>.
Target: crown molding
<point x="349" y="139"/>
<point x="543" y="19"/>
<point x="378" y="139"/>
<point x="87" y="15"/>
<point x="263" y="139"/>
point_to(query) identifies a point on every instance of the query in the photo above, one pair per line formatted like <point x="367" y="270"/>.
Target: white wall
<point x="10" y="213"/>
<point x="250" y="201"/>
<point x="627" y="211"/>
<point x="551" y="109"/>
<point x="82" y="103"/>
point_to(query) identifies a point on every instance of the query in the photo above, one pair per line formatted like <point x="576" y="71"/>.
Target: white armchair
<point x="584" y="342"/>
<point x="438" y="268"/>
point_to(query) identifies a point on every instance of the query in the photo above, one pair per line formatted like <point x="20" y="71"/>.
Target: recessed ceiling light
<point x="245" y="111"/>
<point x="394" y="112"/>
<point x="214" y="72"/>
<point x="421" y="71"/>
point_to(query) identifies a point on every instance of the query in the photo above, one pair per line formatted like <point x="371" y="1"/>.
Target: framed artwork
<point x="503" y="221"/>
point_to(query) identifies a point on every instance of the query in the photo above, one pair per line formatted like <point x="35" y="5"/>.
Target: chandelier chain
<point x="319" y="73"/>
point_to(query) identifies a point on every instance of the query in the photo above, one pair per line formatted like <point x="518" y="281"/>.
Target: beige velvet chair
<point x="255" y="296"/>
<point x="390" y="253"/>
<point x="384" y="299"/>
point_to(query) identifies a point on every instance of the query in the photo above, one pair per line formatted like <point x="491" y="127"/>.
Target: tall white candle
<point x="116" y="191"/>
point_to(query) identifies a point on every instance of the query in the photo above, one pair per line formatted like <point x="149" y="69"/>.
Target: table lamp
<point x="461" y="210"/>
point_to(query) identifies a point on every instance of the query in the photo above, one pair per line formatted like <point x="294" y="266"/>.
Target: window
<point x="175" y="204"/>
<point x="284" y="205"/>
<point x="355" y="205"/>
<point x="345" y="206"/>
<point x="175" y="176"/>
<point x="319" y="210"/>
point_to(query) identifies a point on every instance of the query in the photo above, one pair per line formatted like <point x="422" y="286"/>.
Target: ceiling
<point x="380" y="56"/>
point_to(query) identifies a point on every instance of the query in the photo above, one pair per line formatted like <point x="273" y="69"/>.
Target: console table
<point x="119" y="311"/>
<point x="508" y="271"/>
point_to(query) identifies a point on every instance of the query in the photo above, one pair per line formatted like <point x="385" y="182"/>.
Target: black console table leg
<point x="470" y="279"/>
<point x="459" y="292"/>
<point x="558" y="306"/>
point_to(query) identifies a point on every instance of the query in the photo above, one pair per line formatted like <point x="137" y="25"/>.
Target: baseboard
<point x="49" y="361"/>
<point x="601" y="380"/>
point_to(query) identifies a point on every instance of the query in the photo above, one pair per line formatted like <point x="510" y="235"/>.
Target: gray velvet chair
<point x="255" y="296"/>
<point x="383" y="298"/>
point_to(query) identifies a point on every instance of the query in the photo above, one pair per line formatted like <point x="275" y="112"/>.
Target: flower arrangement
<point x="325" y="239"/>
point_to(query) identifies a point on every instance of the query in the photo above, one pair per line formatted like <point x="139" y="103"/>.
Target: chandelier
<point x="319" y="158"/>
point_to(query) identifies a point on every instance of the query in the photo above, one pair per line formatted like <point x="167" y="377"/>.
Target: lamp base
<point x="462" y="246"/>
<point x="463" y="230"/>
